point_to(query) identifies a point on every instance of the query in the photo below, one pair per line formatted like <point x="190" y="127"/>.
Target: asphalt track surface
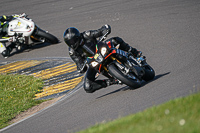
<point x="166" y="31"/>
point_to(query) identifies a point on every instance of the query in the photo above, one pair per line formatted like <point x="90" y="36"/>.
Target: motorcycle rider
<point x="5" y="51"/>
<point x="76" y="40"/>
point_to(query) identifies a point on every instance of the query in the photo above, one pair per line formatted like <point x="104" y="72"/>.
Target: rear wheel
<point x="128" y="79"/>
<point x="43" y="36"/>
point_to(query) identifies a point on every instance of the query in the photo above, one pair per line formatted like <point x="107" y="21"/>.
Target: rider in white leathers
<point x="5" y="51"/>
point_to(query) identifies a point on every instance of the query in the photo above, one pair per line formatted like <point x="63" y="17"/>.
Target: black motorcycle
<point x="106" y="58"/>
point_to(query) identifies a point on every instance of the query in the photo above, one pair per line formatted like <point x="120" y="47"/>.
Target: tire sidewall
<point x="49" y="37"/>
<point x="115" y="72"/>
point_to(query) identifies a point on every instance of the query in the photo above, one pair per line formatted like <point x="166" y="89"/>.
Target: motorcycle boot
<point x="135" y="52"/>
<point x="112" y="81"/>
<point x="6" y="53"/>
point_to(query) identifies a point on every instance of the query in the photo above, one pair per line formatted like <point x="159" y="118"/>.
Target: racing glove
<point x="82" y="68"/>
<point x="20" y="15"/>
<point x="23" y="15"/>
<point x="106" y="28"/>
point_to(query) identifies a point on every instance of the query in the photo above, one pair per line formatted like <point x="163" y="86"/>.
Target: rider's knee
<point x="88" y="88"/>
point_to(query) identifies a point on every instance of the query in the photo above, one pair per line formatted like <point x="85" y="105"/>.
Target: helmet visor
<point x="74" y="43"/>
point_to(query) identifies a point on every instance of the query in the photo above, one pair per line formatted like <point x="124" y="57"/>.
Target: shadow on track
<point x="129" y="88"/>
<point x="27" y="48"/>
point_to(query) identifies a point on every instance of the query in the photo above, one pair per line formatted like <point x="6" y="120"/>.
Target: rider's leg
<point x="124" y="46"/>
<point x="91" y="84"/>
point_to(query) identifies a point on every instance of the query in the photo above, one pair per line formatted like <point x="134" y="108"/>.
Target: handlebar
<point x="4" y="40"/>
<point x="103" y="37"/>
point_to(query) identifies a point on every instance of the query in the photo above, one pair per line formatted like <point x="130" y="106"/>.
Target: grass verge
<point x="181" y="115"/>
<point x="16" y="95"/>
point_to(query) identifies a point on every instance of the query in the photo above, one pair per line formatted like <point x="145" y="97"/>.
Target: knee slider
<point x="88" y="88"/>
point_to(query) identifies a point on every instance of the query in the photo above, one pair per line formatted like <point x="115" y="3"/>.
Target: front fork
<point x="128" y="67"/>
<point x="119" y="64"/>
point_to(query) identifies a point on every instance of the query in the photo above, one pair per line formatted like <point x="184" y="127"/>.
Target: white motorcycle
<point x="22" y="31"/>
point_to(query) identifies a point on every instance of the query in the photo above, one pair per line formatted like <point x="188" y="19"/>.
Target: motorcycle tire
<point x="48" y="37"/>
<point x="149" y="73"/>
<point x="115" y="72"/>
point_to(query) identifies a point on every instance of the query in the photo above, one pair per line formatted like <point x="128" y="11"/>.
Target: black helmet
<point x="72" y="37"/>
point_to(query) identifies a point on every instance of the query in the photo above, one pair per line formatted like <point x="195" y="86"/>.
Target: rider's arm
<point x="5" y="18"/>
<point x="98" y="33"/>
<point x="79" y="59"/>
<point x="9" y="18"/>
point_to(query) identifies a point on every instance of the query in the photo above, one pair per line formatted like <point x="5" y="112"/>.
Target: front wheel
<point x="128" y="79"/>
<point x="149" y="73"/>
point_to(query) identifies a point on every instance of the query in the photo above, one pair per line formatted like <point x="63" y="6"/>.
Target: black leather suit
<point x="79" y="57"/>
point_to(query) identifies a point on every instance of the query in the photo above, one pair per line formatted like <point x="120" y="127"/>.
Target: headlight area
<point x="98" y="57"/>
<point x="103" y="51"/>
<point x="94" y="63"/>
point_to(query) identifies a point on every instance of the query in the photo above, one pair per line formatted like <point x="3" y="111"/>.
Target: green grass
<point x="17" y="95"/>
<point x="177" y="116"/>
<point x="181" y="115"/>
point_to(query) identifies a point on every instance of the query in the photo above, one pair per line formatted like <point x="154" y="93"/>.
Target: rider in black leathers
<point x="76" y="40"/>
